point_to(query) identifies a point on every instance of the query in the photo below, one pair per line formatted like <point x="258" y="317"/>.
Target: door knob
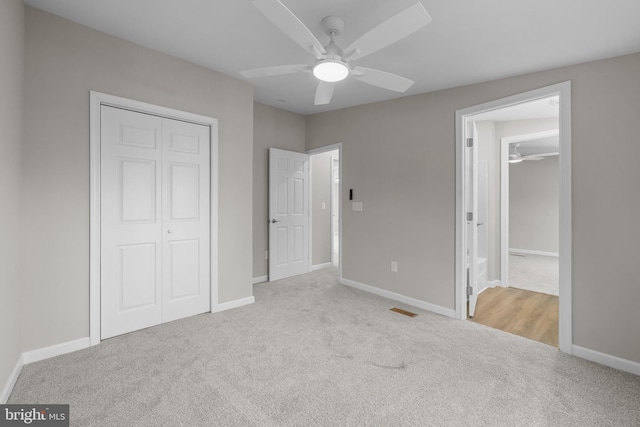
<point x="273" y="221"/>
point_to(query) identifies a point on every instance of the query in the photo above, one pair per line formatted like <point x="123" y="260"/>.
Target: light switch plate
<point x="324" y="205"/>
<point x="356" y="206"/>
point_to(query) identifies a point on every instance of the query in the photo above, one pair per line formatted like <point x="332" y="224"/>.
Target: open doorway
<point x="325" y="207"/>
<point x="503" y="122"/>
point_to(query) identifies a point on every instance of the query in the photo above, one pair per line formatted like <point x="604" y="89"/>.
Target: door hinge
<point x="469" y="291"/>
<point x="469" y="216"/>
<point x="469" y="142"/>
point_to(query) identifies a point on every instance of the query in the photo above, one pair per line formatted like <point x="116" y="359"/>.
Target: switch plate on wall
<point x="356" y="206"/>
<point x="324" y="206"/>
<point x="394" y="266"/>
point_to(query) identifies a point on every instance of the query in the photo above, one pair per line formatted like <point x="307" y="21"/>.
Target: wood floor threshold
<point x="528" y="314"/>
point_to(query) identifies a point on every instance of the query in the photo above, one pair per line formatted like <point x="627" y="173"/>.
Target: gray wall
<point x="321" y="218"/>
<point x="272" y="127"/>
<point x="533" y="205"/>
<point x="490" y="134"/>
<point x="399" y="155"/>
<point x="11" y="85"/>
<point x="64" y="61"/>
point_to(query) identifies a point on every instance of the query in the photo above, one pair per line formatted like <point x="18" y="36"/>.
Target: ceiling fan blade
<point x="324" y="93"/>
<point x="289" y="24"/>
<point x="382" y="79"/>
<point x="390" y="31"/>
<point x="278" y="70"/>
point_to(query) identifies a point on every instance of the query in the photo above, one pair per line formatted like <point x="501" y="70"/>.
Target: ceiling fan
<point x="332" y="63"/>
<point x="517" y="157"/>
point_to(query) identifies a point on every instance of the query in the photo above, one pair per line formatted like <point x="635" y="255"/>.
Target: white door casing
<point x="565" y="301"/>
<point x="154" y="229"/>
<point x="288" y="214"/>
<point x="472" y="220"/>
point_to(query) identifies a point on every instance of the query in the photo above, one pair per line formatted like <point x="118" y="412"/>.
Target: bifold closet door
<point x="154" y="212"/>
<point x="186" y="228"/>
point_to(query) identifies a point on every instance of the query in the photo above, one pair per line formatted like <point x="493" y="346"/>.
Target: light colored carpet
<point x="313" y="352"/>
<point x="535" y="273"/>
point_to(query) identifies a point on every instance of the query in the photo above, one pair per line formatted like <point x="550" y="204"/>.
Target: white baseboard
<point x="55" y="350"/>
<point x="38" y="355"/>
<point x="490" y="284"/>
<point x="402" y="298"/>
<point x="321" y="266"/>
<point x="233" y="304"/>
<point x="259" y="279"/>
<point x="11" y="381"/>
<point x="529" y="252"/>
<point x="607" y="360"/>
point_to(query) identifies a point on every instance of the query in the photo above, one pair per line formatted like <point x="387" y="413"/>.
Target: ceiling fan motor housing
<point x="332" y="24"/>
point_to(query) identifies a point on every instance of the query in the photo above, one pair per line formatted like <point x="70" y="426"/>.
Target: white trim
<point x="607" y="360"/>
<point x="96" y="100"/>
<point x="402" y="298"/>
<point x="530" y="252"/>
<point x="55" y="350"/>
<point x="319" y="150"/>
<point x="259" y="279"/>
<point x="233" y="304"/>
<point x="564" y="90"/>
<point x="11" y="381"/>
<point x="333" y="147"/>
<point x="321" y="266"/>
<point x="490" y="284"/>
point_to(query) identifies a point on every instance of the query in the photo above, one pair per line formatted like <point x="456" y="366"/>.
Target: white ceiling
<point x="468" y="41"/>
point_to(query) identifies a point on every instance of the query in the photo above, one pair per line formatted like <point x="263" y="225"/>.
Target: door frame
<point x="504" y="195"/>
<point x="319" y="150"/>
<point x="565" y="299"/>
<point x="96" y="101"/>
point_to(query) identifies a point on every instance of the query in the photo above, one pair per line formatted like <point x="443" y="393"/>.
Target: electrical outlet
<point x="266" y="254"/>
<point x="394" y="266"/>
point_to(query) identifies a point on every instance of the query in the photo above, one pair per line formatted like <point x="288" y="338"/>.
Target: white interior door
<point x="472" y="218"/>
<point x="288" y="213"/>
<point x="186" y="237"/>
<point x="131" y="221"/>
<point x="335" y="210"/>
<point x="154" y="247"/>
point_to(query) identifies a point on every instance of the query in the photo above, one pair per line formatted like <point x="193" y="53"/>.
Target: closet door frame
<point x="97" y="100"/>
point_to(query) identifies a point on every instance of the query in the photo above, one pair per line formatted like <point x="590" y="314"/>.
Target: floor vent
<point x="404" y="312"/>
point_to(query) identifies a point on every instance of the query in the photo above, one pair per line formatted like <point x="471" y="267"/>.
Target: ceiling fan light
<point x="330" y="71"/>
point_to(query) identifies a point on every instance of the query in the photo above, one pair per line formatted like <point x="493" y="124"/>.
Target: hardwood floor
<point x="529" y="314"/>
